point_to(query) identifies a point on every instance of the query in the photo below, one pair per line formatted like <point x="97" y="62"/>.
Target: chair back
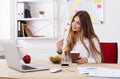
<point x="109" y="52"/>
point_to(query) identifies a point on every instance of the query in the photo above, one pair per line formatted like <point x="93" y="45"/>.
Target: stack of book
<point x="23" y="30"/>
<point x="23" y="10"/>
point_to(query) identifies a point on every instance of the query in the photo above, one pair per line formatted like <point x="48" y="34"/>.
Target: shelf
<point x="29" y="22"/>
<point x="31" y="1"/>
<point x="31" y="19"/>
<point x="34" y="38"/>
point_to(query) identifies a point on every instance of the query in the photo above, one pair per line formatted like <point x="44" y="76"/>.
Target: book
<point x="28" y="31"/>
<point x="23" y="29"/>
<point x="18" y="10"/>
<point x="27" y="13"/>
<point x="20" y="29"/>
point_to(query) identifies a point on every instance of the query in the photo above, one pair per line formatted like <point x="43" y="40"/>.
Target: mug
<point x="74" y="56"/>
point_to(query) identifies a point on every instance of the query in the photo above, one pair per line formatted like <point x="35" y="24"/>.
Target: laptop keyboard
<point x="25" y="67"/>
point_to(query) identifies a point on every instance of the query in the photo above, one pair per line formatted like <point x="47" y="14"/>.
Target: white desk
<point x="65" y="74"/>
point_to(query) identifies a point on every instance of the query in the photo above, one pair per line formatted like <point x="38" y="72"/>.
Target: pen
<point x="70" y="70"/>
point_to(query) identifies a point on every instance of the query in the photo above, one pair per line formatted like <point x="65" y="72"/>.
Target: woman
<point x="81" y="37"/>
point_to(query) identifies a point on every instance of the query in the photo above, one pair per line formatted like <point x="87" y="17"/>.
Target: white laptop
<point x="14" y="61"/>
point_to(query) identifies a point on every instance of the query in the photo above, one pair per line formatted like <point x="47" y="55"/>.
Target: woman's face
<point x="76" y="24"/>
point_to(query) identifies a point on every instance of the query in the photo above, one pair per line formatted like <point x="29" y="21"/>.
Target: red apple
<point x="27" y="59"/>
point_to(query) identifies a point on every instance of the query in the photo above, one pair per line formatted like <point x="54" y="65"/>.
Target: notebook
<point x="14" y="61"/>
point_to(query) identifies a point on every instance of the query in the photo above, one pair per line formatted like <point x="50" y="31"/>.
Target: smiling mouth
<point x="74" y="28"/>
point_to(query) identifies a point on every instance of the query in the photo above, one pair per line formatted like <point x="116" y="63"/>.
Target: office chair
<point x="109" y="52"/>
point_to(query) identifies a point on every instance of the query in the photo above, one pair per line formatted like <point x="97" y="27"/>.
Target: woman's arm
<point x="59" y="46"/>
<point x="85" y="60"/>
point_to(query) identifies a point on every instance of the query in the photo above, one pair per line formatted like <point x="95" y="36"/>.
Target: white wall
<point x="4" y="22"/>
<point x="107" y="32"/>
<point x="5" y="19"/>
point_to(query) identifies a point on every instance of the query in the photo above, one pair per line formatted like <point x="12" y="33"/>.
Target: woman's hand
<point x="82" y="60"/>
<point x="59" y="45"/>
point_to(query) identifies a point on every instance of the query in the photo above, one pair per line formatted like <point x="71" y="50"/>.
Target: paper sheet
<point x="99" y="72"/>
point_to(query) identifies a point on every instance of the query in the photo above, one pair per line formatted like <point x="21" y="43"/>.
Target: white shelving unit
<point x="41" y="27"/>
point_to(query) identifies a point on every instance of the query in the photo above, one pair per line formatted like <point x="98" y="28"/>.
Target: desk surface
<point x="7" y="73"/>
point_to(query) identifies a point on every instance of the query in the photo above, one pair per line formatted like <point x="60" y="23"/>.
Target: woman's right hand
<point x="59" y="45"/>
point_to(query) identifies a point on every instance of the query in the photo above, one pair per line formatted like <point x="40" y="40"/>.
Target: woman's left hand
<point x="82" y="60"/>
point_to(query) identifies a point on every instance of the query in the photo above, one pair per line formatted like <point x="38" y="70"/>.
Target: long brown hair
<point x="87" y="31"/>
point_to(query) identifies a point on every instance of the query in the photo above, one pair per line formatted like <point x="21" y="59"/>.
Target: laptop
<point x="14" y="61"/>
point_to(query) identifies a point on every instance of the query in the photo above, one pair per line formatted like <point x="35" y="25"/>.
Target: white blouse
<point x="83" y="52"/>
